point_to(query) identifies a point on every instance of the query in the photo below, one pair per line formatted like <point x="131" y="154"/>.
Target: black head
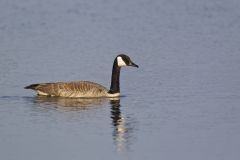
<point x="124" y="60"/>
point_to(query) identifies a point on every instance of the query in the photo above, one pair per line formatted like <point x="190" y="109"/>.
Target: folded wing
<point x="70" y="89"/>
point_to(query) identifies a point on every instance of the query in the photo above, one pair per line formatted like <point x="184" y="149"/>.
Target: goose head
<point x="124" y="60"/>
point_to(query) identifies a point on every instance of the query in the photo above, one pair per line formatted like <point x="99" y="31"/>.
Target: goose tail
<point x="32" y="86"/>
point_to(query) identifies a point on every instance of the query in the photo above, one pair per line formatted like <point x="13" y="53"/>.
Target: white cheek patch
<point x="120" y="62"/>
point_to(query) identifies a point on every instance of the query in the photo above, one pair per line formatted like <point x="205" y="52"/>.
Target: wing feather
<point x="73" y="89"/>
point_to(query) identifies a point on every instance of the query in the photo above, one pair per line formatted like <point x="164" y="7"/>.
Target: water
<point x="182" y="103"/>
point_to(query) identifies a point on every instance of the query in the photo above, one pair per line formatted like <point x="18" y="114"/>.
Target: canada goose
<point x="85" y="89"/>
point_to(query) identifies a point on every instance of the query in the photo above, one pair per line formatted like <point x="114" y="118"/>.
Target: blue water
<point x="181" y="103"/>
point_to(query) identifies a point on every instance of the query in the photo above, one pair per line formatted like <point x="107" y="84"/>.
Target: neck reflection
<point x="122" y="128"/>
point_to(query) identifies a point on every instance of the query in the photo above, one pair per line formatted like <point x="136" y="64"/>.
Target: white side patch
<point x="120" y="62"/>
<point x="41" y="93"/>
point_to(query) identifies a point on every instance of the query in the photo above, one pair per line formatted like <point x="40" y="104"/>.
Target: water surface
<point x="182" y="103"/>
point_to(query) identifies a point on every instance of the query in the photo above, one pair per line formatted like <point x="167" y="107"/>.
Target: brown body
<point x="70" y="89"/>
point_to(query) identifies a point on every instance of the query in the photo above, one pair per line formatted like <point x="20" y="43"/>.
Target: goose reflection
<point x="122" y="128"/>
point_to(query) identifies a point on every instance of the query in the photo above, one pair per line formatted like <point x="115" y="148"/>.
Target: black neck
<point x="115" y="88"/>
